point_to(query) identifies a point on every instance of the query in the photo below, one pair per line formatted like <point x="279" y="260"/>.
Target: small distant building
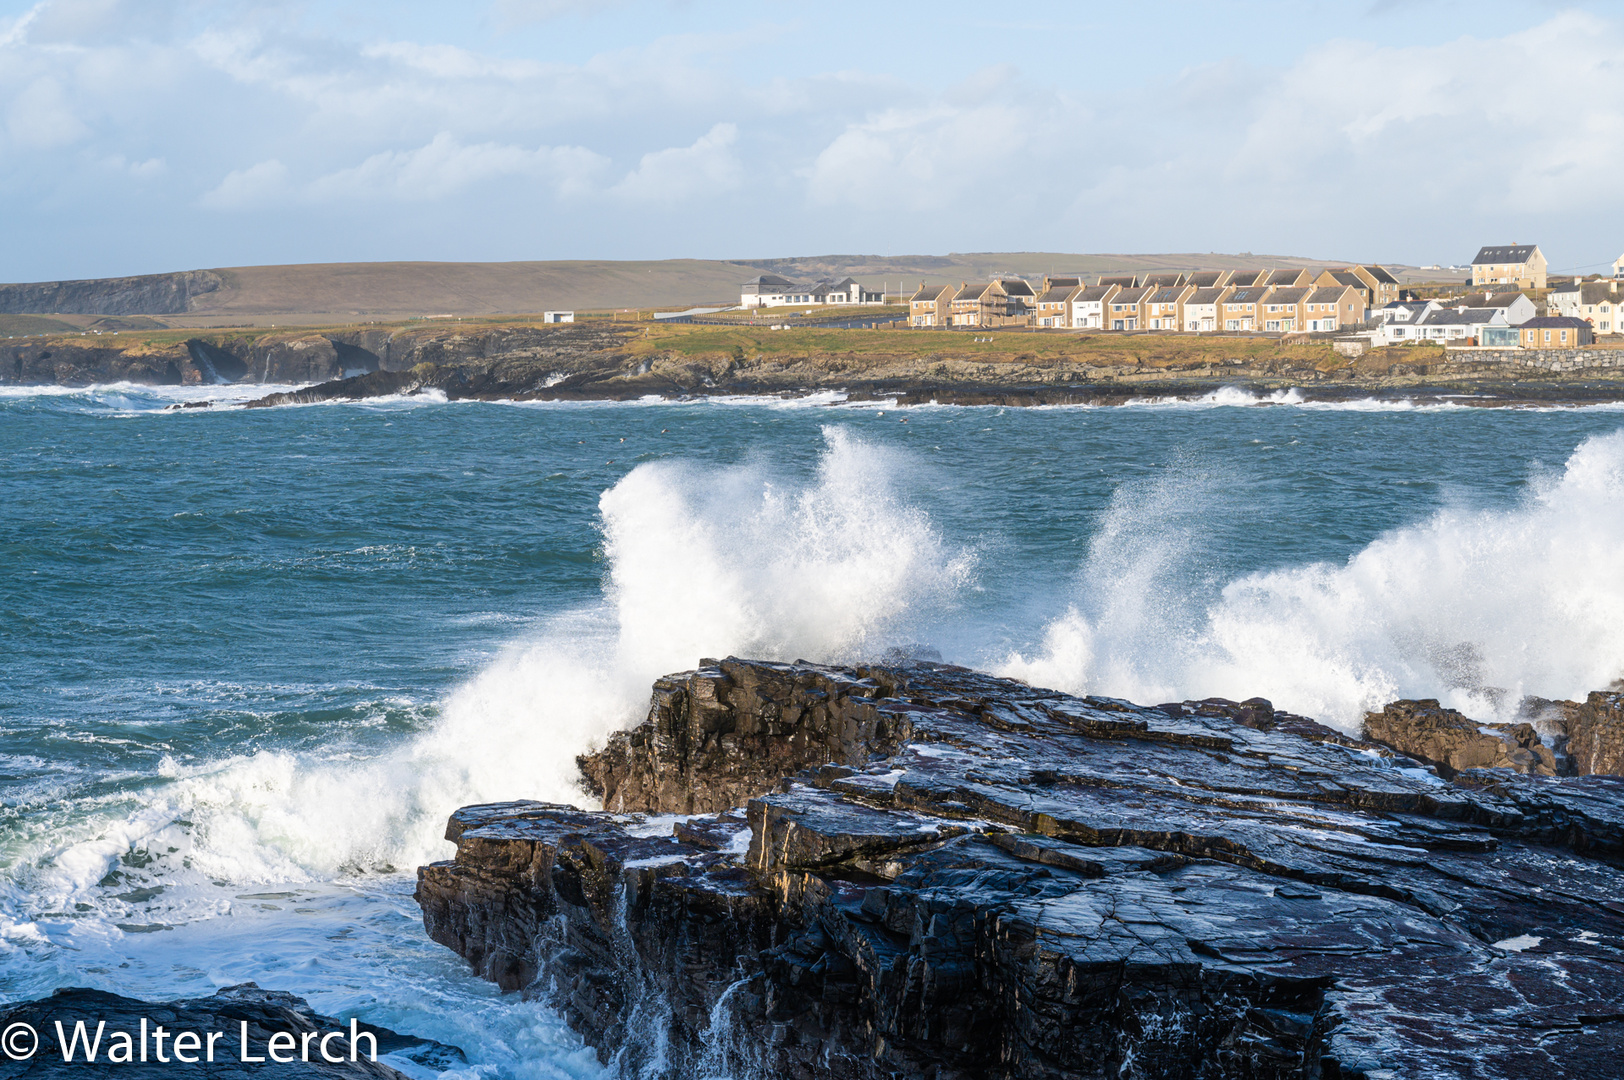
<point x="1599" y="303"/>
<point x="1555" y="332"/>
<point x="932" y="305"/>
<point x="771" y="290"/>
<point x="1088" y="308"/>
<point x="1520" y="265"/>
<point x="558" y="316"/>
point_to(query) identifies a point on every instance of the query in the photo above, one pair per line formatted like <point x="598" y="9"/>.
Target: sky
<point x="140" y="136"/>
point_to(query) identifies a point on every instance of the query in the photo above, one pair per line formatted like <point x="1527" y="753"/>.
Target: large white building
<point x="770" y="290"/>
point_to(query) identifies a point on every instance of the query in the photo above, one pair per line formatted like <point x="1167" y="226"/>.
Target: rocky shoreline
<point x="919" y="870"/>
<point x="607" y="362"/>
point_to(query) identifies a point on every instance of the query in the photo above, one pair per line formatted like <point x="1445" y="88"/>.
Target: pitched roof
<point x="1073" y="279"/>
<point x="1328" y="294"/>
<point x="1159" y="280"/>
<point x="1167" y="294"/>
<point x="928" y="293"/>
<point x="1465" y="317"/>
<point x="1593" y="292"/>
<point x="1127" y="281"/>
<point x="1348" y="278"/>
<point x="1500" y="299"/>
<point x="1093" y="292"/>
<point x="1381" y="274"/>
<point x="1251" y="294"/>
<point x="1248" y="277"/>
<point x="1296" y="294"/>
<point x="973" y="291"/>
<point x="1556" y="322"/>
<point x="1206" y="279"/>
<point x="1058" y="295"/>
<point x="1510" y="253"/>
<point x="1016" y="287"/>
<point x="1131" y="296"/>
<point x="1284" y="277"/>
<point x="1207" y="296"/>
<point x="769" y="279"/>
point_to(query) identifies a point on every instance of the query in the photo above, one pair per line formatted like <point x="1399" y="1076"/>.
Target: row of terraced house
<point x="1205" y="301"/>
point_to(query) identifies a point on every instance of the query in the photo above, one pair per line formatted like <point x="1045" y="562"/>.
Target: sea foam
<point x="1477" y="607"/>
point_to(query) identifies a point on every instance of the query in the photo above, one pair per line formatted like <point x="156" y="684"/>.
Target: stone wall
<point x="1555" y="360"/>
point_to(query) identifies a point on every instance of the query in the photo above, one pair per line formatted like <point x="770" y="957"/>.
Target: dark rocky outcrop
<point x="918" y="870"/>
<point x="150" y="294"/>
<point x="1595" y="733"/>
<point x="266" y="1012"/>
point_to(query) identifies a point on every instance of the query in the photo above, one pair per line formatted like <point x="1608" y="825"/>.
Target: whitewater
<point x="255" y="658"/>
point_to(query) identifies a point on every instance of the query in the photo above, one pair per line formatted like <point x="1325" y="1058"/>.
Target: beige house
<point x="980" y="306"/>
<point x="1381" y="287"/>
<point x="1124" y="311"/>
<point x="932" y="305"/>
<point x="1243" y="309"/>
<point x="1330" y="308"/>
<point x="1519" y="265"/>
<point x="1164" y="307"/>
<point x="1054" y="303"/>
<point x="1201" y="309"/>
<point x="1283" y="309"/>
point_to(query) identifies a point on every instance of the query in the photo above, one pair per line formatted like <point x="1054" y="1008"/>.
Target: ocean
<point x="250" y="660"/>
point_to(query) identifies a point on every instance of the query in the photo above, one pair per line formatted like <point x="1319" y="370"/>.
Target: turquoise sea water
<point x="250" y="660"/>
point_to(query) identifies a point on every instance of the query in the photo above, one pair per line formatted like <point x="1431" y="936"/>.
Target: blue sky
<point x="148" y="135"/>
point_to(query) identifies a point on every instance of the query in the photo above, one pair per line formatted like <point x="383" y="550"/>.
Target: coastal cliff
<point x="919" y="870"/>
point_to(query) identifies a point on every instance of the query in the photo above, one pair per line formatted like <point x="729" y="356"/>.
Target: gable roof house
<point x="1522" y="265"/>
<point x="1242" y="309"/>
<point x="931" y="306"/>
<point x="1054" y="306"/>
<point x="1201" y="309"/>
<point x="978" y="305"/>
<point x="1330" y="308"/>
<point x="1020" y="300"/>
<point x="1124" y="281"/>
<point x="1465" y="325"/>
<point x="1088" y="306"/>
<point x="1399" y="320"/>
<point x="1247" y="279"/>
<point x="1124" y="311"/>
<point x="767" y="290"/>
<point x="1162" y="280"/>
<point x="1618" y="267"/>
<point x="1516" y="306"/>
<point x="846" y="291"/>
<point x="1381" y="287"/>
<point x="1599" y="303"/>
<point x="1555" y="332"/>
<point x="1209" y="279"/>
<point x="1282" y="309"/>
<point x="1164" y="307"/>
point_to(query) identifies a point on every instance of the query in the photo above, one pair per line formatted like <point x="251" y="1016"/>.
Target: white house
<point x="1088" y="306"/>
<point x="1201" y="309"/>
<point x="1456" y="324"/>
<point x="1599" y="303"/>
<point x="770" y="290"/>
<point x="558" y="316"/>
<point x="1398" y="320"/>
<point x="1618" y="267"/>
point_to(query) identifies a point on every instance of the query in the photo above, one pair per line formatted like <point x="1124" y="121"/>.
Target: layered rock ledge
<point x="923" y="871"/>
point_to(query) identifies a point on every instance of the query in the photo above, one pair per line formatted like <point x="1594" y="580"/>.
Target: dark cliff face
<point x="151" y="294"/>
<point x="924" y="871"/>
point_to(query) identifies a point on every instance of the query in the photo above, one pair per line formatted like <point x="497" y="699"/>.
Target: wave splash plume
<point x="1476" y="607"/>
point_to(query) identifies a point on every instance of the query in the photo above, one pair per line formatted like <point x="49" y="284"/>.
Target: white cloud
<point x="708" y="167"/>
<point x="256" y="186"/>
<point x="445" y="167"/>
<point x="41" y="117"/>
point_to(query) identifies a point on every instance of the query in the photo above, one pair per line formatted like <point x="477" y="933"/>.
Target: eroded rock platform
<point x="923" y="871"/>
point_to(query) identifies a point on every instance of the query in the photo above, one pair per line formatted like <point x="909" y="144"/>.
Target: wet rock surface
<point x="919" y="870"/>
<point x="265" y="1012"/>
